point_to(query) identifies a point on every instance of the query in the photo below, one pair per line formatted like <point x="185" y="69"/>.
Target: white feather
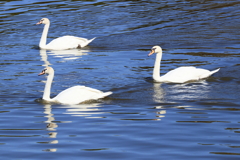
<point x="61" y="43"/>
<point x="72" y="95"/>
<point x="178" y="75"/>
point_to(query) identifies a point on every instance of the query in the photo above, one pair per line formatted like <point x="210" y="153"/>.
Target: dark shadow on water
<point x="106" y="99"/>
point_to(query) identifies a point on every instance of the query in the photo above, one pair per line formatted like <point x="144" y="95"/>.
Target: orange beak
<point x="42" y="73"/>
<point x="152" y="51"/>
<point x="39" y="23"/>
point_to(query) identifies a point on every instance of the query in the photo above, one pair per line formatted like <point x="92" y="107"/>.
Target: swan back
<point x="184" y="74"/>
<point x="79" y="94"/>
<point x="68" y="42"/>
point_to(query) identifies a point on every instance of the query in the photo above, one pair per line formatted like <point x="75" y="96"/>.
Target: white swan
<point x="178" y="75"/>
<point x="61" y="43"/>
<point x="72" y="95"/>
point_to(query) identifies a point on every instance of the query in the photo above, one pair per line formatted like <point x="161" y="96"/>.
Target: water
<point x="141" y="119"/>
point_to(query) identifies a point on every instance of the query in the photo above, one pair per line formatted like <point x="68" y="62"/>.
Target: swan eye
<point x="44" y="71"/>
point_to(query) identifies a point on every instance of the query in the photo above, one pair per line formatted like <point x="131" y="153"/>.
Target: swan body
<point x="178" y="75"/>
<point x="72" y="95"/>
<point x="61" y="43"/>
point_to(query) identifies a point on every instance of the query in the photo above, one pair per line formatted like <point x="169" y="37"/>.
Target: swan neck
<point x="156" y="69"/>
<point x="43" y="40"/>
<point x="47" y="89"/>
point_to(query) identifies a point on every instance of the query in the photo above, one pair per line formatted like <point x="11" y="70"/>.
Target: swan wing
<point x="68" y="42"/>
<point x="184" y="74"/>
<point x="78" y="94"/>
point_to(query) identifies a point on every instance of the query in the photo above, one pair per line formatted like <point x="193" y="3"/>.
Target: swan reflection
<point x="189" y="91"/>
<point x="51" y="126"/>
<point x="86" y="110"/>
<point x="69" y="54"/>
<point x="63" y="54"/>
<point x="173" y="95"/>
<point x="44" y="57"/>
<point x="158" y="93"/>
<point x="158" y="97"/>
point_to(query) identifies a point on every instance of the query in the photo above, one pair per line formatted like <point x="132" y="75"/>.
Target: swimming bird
<point x="178" y="75"/>
<point x="61" y="43"/>
<point x="73" y="95"/>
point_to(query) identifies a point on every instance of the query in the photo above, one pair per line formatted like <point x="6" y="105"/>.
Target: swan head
<point x="155" y="49"/>
<point x="47" y="70"/>
<point x="44" y="21"/>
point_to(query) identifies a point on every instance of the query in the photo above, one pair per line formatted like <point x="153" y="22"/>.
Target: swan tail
<point x="209" y="73"/>
<point x="87" y="42"/>
<point x="92" y="39"/>
<point x="100" y="95"/>
<point x="105" y="94"/>
<point x="212" y="72"/>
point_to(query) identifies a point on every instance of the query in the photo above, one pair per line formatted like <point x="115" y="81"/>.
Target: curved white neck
<point x="47" y="89"/>
<point x="43" y="40"/>
<point x="156" y="69"/>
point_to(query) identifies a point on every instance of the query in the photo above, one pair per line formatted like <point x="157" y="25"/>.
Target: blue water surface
<point x="141" y="120"/>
